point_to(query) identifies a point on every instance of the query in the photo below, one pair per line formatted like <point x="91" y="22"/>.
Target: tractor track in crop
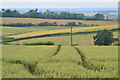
<point x="85" y="64"/>
<point x="58" y="49"/>
<point x="29" y="67"/>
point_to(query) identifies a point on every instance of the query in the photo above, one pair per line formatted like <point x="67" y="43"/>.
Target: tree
<point x="3" y="10"/>
<point x="80" y="23"/>
<point x="104" y="37"/>
<point x="99" y="16"/>
<point x="71" y="24"/>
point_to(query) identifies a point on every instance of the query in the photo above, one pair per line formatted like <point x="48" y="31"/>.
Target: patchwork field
<point x="80" y="39"/>
<point x="60" y="62"/>
<point x="81" y="61"/>
<point x="7" y="31"/>
<point x="75" y="30"/>
<point x="8" y="20"/>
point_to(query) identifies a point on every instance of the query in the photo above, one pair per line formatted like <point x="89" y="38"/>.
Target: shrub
<point x="5" y="43"/>
<point x="39" y="43"/>
<point x="116" y="44"/>
<point x="4" y="38"/>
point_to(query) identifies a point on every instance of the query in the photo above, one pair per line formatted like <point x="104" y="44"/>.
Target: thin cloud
<point x="59" y="5"/>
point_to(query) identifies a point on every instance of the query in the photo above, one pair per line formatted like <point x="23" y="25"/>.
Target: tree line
<point x="47" y="24"/>
<point x="49" y="15"/>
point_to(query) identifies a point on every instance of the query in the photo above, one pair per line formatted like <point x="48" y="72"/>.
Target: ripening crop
<point x="60" y="62"/>
<point x="82" y="29"/>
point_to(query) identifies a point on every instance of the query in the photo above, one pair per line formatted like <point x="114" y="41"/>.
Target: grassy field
<point x="80" y="39"/>
<point x="8" y="20"/>
<point x="59" y="62"/>
<point x="81" y="29"/>
<point x="6" y="30"/>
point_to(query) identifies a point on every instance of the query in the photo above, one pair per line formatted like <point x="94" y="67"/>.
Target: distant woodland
<point x="49" y="15"/>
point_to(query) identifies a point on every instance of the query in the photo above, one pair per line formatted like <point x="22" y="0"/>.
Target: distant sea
<point x="76" y="10"/>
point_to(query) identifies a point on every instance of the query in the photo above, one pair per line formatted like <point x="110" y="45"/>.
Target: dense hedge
<point x="40" y="43"/>
<point x="47" y="24"/>
<point x="117" y="44"/>
<point x="30" y="24"/>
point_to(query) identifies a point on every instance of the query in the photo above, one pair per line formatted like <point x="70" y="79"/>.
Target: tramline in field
<point x="44" y="62"/>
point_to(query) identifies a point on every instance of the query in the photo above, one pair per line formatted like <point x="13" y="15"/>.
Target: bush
<point x="39" y="43"/>
<point x="75" y="45"/>
<point x="5" y="43"/>
<point x="4" y="38"/>
<point x="103" y="37"/>
<point x="116" y="44"/>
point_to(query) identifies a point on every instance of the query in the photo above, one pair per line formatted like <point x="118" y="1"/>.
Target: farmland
<point x="82" y="29"/>
<point x="0" y="63"/>
<point x="59" y="62"/>
<point x="8" y="20"/>
<point x="80" y="39"/>
<point x="83" y="60"/>
<point x="6" y="30"/>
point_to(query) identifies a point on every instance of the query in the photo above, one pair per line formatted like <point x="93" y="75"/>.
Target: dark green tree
<point x="99" y="16"/>
<point x="71" y="24"/>
<point x="80" y="23"/>
<point x="3" y="10"/>
<point x="103" y="37"/>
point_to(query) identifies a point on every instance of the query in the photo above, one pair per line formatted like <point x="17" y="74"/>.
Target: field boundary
<point x="57" y="34"/>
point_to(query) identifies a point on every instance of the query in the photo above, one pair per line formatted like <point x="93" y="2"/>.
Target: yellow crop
<point x="82" y="29"/>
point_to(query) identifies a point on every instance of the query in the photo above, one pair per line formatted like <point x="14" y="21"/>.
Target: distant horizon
<point x="65" y="9"/>
<point x="71" y="10"/>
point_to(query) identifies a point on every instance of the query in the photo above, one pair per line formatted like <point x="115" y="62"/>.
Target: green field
<point x="49" y="62"/>
<point x="80" y="39"/>
<point x="53" y="32"/>
<point x="6" y="30"/>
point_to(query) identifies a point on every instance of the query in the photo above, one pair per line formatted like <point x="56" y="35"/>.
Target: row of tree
<point x="30" y="24"/>
<point x="47" y="24"/>
<point x="50" y="15"/>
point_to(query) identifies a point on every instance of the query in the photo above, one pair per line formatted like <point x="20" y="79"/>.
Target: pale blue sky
<point x="60" y="4"/>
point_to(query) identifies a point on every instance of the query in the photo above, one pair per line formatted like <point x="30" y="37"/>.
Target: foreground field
<point x="60" y="62"/>
<point x="8" y="20"/>
<point x="0" y="68"/>
<point x="75" y="30"/>
<point x="0" y="62"/>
